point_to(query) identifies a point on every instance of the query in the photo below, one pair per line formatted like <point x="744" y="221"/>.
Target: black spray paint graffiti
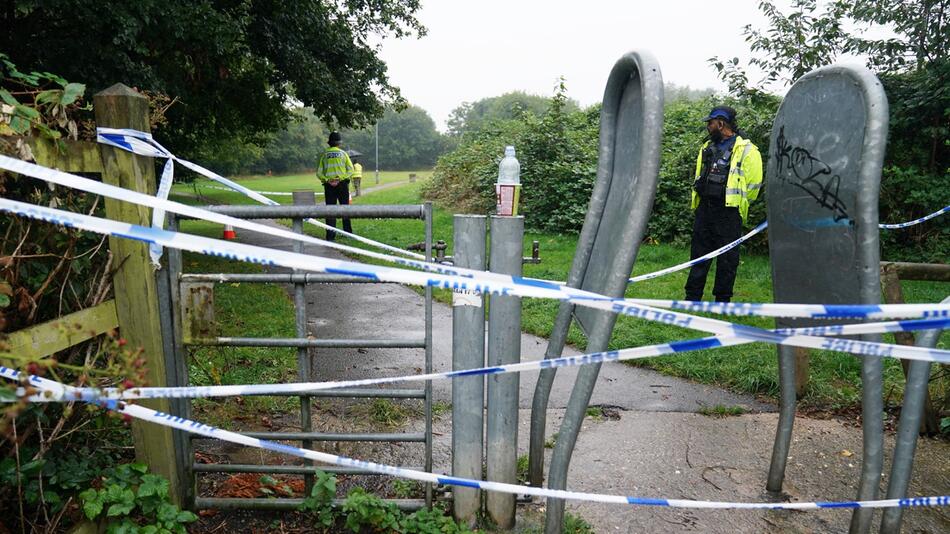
<point x="813" y="176"/>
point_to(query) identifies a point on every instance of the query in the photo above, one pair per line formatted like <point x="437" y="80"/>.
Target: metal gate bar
<point x="306" y="436"/>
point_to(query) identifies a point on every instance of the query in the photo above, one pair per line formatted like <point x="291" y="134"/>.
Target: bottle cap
<point x="509" y="151"/>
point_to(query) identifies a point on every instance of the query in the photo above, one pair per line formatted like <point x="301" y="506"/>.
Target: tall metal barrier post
<point x="468" y="352"/>
<point x="823" y="182"/>
<point x="631" y="124"/>
<point x="137" y="295"/>
<point x="304" y="365"/>
<point x="504" y="346"/>
<point x="912" y="411"/>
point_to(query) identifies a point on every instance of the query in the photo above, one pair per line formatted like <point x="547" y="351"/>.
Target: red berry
<point x="128" y="384"/>
<point x="126" y="418"/>
<point x="33" y="368"/>
<point x="122" y="342"/>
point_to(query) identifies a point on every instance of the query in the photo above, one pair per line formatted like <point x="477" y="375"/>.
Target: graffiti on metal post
<point x="814" y="176"/>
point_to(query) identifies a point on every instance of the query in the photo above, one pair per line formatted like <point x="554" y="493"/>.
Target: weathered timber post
<point x="894" y="294"/>
<point x="136" y="288"/>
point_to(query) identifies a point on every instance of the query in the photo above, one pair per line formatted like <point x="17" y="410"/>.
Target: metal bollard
<point x="915" y="395"/>
<point x="504" y="346"/>
<point x="468" y="352"/>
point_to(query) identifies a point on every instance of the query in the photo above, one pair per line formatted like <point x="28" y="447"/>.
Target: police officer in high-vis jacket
<point x="334" y="170"/>
<point x="728" y="177"/>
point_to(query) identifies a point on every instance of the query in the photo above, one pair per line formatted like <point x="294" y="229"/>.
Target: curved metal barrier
<point x="631" y="124"/>
<point x="823" y="181"/>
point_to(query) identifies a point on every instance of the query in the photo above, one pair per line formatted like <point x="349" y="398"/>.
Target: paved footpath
<point x="660" y="446"/>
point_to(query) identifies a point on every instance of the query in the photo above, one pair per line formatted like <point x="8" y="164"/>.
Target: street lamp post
<point x="377" y="152"/>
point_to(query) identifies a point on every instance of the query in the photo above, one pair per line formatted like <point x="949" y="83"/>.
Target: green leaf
<point x="7" y="394"/>
<point x="167" y="512"/>
<point x="20" y="125"/>
<point x="31" y="468"/>
<point x="50" y="96"/>
<point x="186" y="517"/>
<point x="92" y="504"/>
<point x="119" y="508"/>
<point x="7" y="97"/>
<point x="153" y="485"/>
<point x="140" y="467"/>
<point x="72" y="92"/>
<point x="26" y="111"/>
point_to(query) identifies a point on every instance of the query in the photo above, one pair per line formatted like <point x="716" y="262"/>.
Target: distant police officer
<point x="357" y="174"/>
<point x="728" y="177"/>
<point x="334" y="170"/>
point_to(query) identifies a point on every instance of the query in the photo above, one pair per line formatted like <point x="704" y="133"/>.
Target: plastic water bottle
<point x="508" y="187"/>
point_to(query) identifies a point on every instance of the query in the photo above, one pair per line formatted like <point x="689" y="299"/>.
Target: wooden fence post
<point x="136" y="289"/>
<point x="894" y="294"/>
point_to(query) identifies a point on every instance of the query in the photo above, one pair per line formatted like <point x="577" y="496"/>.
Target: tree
<point x="232" y="65"/>
<point x="914" y="68"/>
<point x="408" y="140"/>
<point x="471" y="116"/>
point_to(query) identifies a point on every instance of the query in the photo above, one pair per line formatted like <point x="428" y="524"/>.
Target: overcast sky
<point x="476" y="49"/>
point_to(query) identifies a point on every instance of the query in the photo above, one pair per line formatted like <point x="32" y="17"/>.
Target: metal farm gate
<point x="186" y="290"/>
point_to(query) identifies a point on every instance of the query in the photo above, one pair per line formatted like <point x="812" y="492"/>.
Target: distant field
<point x="209" y="189"/>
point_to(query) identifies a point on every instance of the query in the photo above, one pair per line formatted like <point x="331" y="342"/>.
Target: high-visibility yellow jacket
<point x="334" y="164"/>
<point x="357" y="170"/>
<point x="745" y="176"/>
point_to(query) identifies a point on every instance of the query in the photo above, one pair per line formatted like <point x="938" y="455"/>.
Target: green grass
<point x="752" y="368"/>
<point x="241" y="310"/>
<point x="288" y="183"/>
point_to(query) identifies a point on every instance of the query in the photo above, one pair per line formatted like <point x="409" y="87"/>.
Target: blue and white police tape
<point x="143" y="144"/>
<point x="468" y="275"/>
<point x="477" y="281"/>
<point x="896" y="226"/>
<point x="94" y="394"/>
<point x="195" y="427"/>
<point x="268" y="193"/>
<point x="762" y="226"/>
<point x="810" y="311"/>
<point x="705" y="257"/>
<point x="91" y="186"/>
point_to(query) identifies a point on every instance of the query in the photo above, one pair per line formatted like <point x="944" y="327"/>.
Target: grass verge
<point x="835" y="377"/>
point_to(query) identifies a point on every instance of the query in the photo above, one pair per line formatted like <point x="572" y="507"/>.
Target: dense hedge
<point x="558" y="155"/>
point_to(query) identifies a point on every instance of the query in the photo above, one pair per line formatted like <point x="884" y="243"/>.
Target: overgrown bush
<point x="558" y="154"/>
<point x="916" y="178"/>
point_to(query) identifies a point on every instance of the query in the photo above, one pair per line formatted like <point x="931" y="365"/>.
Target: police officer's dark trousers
<point x="715" y="226"/>
<point x="337" y="194"/>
